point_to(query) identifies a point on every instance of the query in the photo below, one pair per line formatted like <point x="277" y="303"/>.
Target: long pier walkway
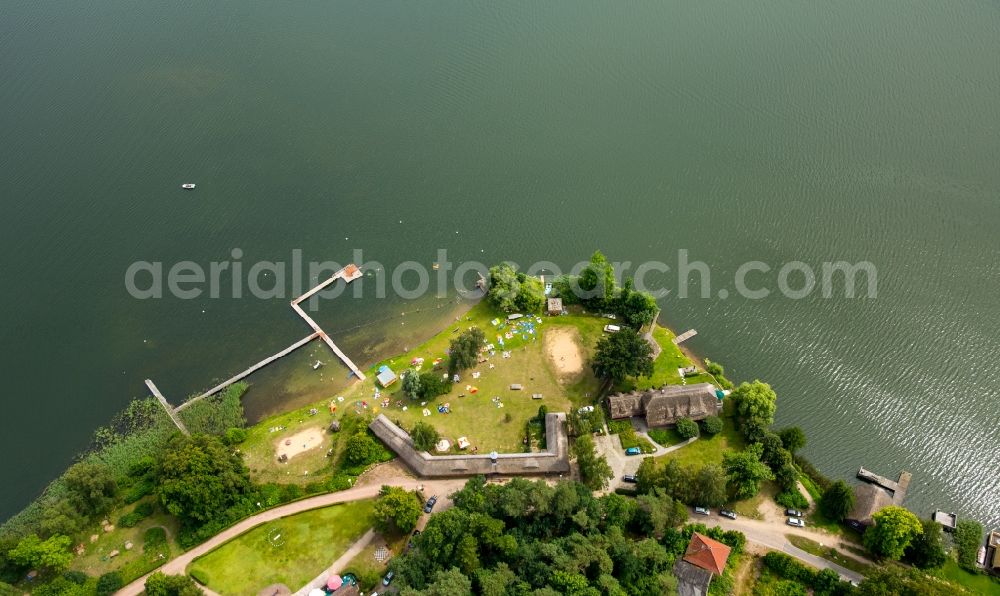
<point x="348" y="274"/>
<point x="250" y="370"/>
<point x="685" y="336"/>
<point x="898" y="488"/>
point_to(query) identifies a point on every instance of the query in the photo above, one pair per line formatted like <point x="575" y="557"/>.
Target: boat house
<point x="667" y="404"/>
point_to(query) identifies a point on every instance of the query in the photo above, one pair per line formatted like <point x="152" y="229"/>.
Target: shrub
<point x="792" y="499"/>
<point x="199" y="576"/>
<point x="153" y="537"/>
<point x="109" y="583"/>
<point x="433" y="384"/>
<point x="234" y="436"/>
<point x="687" y="428"/>
<point x="712" y="425"/>
<point x="424" y="436"/>
<point x="140" y="489"/>
<point x="812" y="472"/>
<point x="968" y="535"/>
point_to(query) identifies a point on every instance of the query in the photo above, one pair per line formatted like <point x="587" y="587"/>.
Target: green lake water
<point x="776" y="131"/>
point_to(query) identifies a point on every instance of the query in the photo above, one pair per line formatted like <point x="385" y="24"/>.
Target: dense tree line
<point x="597" y="289"/>
<point x="532" y="538"/>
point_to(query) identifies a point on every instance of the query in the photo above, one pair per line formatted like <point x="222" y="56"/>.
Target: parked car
<point x="633" y="451"/>
<point x="630" y="478"/>
<point x="388" y="578"/>
<point x="727" y="513"/>
<point x="430" y="504"/>
<point x="702" y="511"/>
<point x="586" y="409"/>
<point x="794" y="521"/>
<point x="793" y="512"/>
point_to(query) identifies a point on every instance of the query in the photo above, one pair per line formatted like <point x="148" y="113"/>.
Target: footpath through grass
<point x="290" y="551"/>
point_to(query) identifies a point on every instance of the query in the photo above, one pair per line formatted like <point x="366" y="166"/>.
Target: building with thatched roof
<point x="667" y="404"/>
<point x="703" y="559"/>
<point x="868" y="500"/>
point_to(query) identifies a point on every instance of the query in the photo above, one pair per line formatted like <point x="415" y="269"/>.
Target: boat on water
<point x="188" y="186"/>
<point x="317" y="365"/>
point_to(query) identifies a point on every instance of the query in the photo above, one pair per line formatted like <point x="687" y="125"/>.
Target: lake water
<point x="775" y="131"/>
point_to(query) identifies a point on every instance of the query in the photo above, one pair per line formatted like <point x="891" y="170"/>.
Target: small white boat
<point x="188" y="186"/>
<point x="317" y="365"/>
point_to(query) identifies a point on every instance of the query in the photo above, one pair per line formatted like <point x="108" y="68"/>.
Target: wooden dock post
<point x="166" y="406"/>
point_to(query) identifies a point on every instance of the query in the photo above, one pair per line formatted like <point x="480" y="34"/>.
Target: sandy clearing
<point x="300" y="442"/>
<point x="562" y="346"/>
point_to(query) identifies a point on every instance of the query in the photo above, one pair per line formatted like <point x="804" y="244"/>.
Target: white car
<point x="794" y="521"/>
<point x="586" y="409"/>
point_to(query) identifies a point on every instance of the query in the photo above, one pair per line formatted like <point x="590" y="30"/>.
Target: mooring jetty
<point x="348" y="274"/>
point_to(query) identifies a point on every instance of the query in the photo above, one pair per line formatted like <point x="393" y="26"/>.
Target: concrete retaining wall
<point x="554" y="460"/>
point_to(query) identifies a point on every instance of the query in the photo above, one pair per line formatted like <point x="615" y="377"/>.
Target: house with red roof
<point x="703" y="559"/>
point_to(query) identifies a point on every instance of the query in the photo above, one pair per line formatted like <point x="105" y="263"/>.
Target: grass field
<point x="475" y="415"/>
<point x="974" y="582"/>
<point x="131" y="563"/>
<point x="708" y="449"/>
<point x="289" y="551"/>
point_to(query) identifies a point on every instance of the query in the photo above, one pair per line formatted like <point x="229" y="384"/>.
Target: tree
<point x="92" y="488"/>
<point x="531" y="297"/>
<point x="635" y="308"/>
<point x="597" y="281"/>
<point x="755" y="402"/>
<point x="709" y="487"/>
<point x="968" y="535"/>
<point x="712" y="425"/>
<point x="837" y="501"/>
<point x="927" y="550"/>
<point x="159" y="584"/>
<point x="361" y="449"/>
<point x="52" y="554"/>
<point x="464" y="350"/>
<point x="623" y="354"/>
<point x="504" y="287"/>
<point x="398" y="509"/>
<point x="895" y="528"/>
<point x="658" y="511"/>
<point x="714" y="368"/>
<point x="109" y="583"/>
<point x="433" y="384"/>
<point x="687" y="428"/>
<point x="792" y="438"/>
<point x="446" y="583"/>
<point x="772" y="450"/>
<point x="745" y="471"/>
<point x="199" y="478"/>
<point x="411" y="383"/>
<point x="424" y="436"/>
<point x="594" y="469"/>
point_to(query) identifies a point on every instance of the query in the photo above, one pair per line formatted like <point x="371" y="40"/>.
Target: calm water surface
<point x="774" y="130"/>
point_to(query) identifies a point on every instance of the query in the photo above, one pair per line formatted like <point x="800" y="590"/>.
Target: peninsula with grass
<point x="552" y="439"/>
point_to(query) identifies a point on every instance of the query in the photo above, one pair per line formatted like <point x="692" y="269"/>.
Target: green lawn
<point x="708" y="449"/>
<point x="475" y="415"/>
<point x="974" y="582"/>
<point x="290" y="551"/>
<point x="131" y="563"/>
<point x="664" y="367"/>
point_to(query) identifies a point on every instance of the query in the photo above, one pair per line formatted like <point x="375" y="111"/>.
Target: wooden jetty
<point x="685" y="336"/>
<point x="348" y="274"/>
<point x="166" y="406"/>
<point x="898" y="488"/>
<point x="250" y="370"/>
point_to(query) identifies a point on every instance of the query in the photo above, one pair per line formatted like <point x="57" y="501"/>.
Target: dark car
<point x="793" y="512"/>
<point x="430" y="504"/>
<point x="727" y="513"/>
<point x="388" y="578"/>
<point x="630" y="478"/>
